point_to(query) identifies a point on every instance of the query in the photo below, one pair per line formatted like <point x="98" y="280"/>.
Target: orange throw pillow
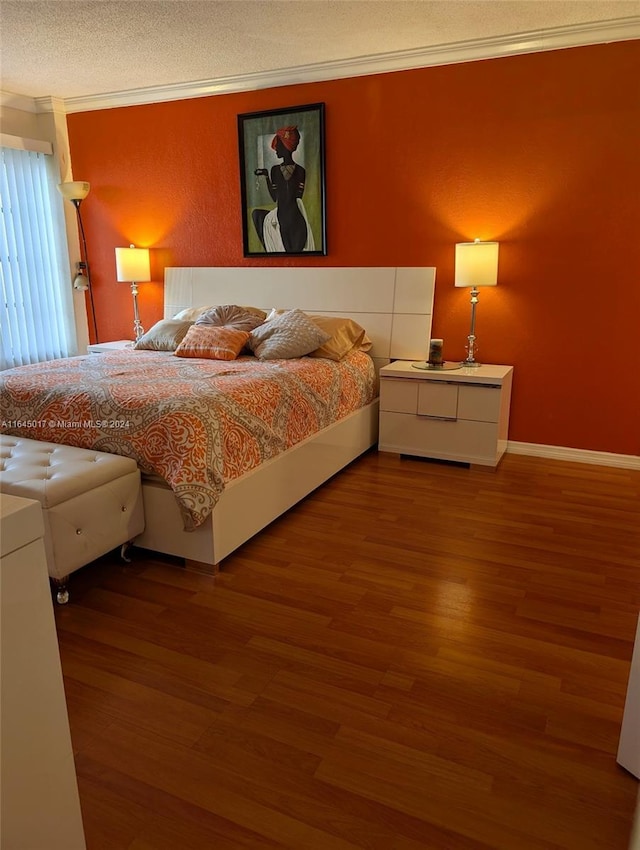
<point x="212" y="343"/>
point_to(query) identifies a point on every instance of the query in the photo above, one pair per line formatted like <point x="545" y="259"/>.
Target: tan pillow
<point x="346" y="336"/>
<point x="212" y="343"/>
<point x="165" y="335"/>
<point x="291" y="334"/>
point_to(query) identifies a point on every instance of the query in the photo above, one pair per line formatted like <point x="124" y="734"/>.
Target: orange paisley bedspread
<point x="195" y="423"/>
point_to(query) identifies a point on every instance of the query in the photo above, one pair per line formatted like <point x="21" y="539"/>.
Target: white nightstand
<point x="460" y="415"/>
<point x="105" y="347"/>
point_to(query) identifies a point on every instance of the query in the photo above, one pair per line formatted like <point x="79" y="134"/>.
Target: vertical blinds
<point x="36" y="310"/>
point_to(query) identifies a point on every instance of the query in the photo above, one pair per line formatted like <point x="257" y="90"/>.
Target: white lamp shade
<point x="132" y="264"/>
<point x="476" y="263"/>
<point x="74" y="191"/>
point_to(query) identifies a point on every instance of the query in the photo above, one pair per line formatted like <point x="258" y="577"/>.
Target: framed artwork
<point x="282" y="181"/>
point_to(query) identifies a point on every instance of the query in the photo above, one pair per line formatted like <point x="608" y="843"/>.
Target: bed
<point x="205" y="521"/>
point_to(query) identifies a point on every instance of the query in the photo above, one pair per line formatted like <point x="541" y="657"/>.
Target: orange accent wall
<point x="540" y="152"/>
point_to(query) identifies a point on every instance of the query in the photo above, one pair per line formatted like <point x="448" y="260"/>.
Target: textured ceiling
<point x="72" y="48"/>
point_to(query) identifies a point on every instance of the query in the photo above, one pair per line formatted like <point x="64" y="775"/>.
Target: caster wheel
<point x="62" y="597"/>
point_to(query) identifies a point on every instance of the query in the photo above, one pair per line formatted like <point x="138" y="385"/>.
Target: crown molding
<point x="17" y="101"/>
<point x="620" y="29"/>
<point x="51" y="104"/>
<point x="37" y="105"/>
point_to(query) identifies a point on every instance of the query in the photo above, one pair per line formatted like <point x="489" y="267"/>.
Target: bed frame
<point x="395" y="307"/>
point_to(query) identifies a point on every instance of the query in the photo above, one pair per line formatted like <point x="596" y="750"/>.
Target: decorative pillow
<point x="290" y="334"/>
<point x="346" y="336"/>
<point x="274" y="312"/>
<point x="213" y="343"/>
<point x="232" y="316"/>
<point x="165" y="335"/>
<point x="190" y="314"/>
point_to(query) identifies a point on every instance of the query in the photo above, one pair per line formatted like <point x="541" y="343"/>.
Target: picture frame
<point x="282" y="181"/>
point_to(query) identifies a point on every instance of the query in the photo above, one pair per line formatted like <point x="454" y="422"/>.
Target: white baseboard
<point x="575" y="455"/>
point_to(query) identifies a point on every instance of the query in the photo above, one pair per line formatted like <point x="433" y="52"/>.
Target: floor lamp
<point x="132" y="266"/>
<point x="476" y="265"/>
<point x="76" y="191"/>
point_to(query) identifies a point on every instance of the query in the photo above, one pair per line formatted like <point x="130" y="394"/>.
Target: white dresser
<point x="459" y="415"/>
<point x="40" y="803"/>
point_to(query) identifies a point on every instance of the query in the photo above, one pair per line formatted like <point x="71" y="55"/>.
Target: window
<point x="36" y="305"/>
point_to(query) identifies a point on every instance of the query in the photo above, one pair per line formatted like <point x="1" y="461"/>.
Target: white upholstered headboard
<point x="393" y="304"/>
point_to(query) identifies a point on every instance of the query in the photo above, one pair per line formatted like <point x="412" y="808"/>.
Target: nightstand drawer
<point x="438" y="399"/>
<point x="441" y="399"/>
<point x="459" y="440"/>
<point x="421" y="397"/>
<point x="479" y="403"/>
<point x="400" y="396"/>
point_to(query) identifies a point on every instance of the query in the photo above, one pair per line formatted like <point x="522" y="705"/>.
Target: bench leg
<point x="62" y="592"/>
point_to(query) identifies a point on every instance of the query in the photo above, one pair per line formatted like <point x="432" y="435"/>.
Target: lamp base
<point x="137" y="324"/>
<point x="470" y="363"/>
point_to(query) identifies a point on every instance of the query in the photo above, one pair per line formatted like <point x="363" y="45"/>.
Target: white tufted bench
<point x="91" y="501"/>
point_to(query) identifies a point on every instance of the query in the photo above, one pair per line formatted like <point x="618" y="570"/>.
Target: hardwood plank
<point x="416" y="656"/>
<point x="151" y="817"/>
<point x="225" y="790"/>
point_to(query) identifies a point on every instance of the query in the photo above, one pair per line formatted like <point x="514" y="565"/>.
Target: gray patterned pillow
<point x="291" y="334"/>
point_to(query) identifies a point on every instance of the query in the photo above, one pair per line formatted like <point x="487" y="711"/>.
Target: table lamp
<point x="132" y="266"/>
<point x="476" y="265"/>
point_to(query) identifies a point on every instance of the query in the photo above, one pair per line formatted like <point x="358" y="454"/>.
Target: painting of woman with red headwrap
<point x="282" y="181"/>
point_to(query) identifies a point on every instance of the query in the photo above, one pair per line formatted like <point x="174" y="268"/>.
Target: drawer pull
<point x="482" y="386"/>
<point x="466" y="384"/>
<point x="439" y="418"/>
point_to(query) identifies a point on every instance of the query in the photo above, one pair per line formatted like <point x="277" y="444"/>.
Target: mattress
<point x="195" y="423"/>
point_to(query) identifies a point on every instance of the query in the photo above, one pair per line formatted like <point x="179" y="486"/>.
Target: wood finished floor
<point x="416" y="656"/>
